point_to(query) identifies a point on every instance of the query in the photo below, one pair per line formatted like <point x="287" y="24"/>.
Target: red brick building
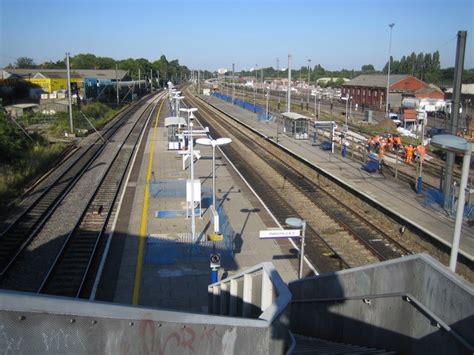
<point x="370" y="90"/>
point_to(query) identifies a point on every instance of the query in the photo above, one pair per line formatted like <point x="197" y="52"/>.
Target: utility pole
<point x="289" y="84"/>
<point x="117" y="83"/>
<point x="459" y="67"/>
<point x="69" y="93"/>
<point x="199" y="81"/>
<point x="278" y="79"/>
<point x="151" y="79"/>
<point x="309" y="78"/>
<point x="309" y="72"/>
<point x="387" y="98"/>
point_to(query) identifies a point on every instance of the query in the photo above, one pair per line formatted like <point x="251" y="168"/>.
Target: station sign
<point x="215" y="260"/>
<point x="280" y="233"/>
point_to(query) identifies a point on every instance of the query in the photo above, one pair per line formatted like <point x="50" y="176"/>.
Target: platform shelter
<point x="175" y="125"/>
<point x="296" y="125"/>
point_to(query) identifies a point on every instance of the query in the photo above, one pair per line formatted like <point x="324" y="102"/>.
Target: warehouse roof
<point x="375" y="80"/>
<point x="62" y="73"/>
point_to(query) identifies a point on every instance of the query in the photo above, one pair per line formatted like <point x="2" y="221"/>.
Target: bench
<point x="326" y="145"/>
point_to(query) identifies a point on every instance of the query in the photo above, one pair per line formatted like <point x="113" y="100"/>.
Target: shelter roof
<point x="294" y="116"/>
<point x="175" y="121"/>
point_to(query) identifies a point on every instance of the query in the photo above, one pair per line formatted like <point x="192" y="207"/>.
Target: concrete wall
<point x="410" y="305"/>
<point x="32" y="324"/>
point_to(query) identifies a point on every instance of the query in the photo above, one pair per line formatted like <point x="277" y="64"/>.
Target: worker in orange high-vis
<point x="421" y="151"/>
<point x="381" y="150"/>
<point x="409" y="150"/>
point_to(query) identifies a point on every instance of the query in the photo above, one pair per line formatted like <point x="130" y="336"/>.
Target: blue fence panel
<point x="244" y="104"/>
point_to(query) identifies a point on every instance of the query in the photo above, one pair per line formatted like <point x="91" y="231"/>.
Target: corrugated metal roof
<point x="294" y="116"/>
<point x="375" y="80"/>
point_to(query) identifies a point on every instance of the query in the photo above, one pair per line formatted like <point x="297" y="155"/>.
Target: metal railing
<point x="37" y="324"/>
<point x="258" y="292"/>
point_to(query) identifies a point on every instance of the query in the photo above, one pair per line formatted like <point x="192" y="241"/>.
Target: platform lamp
<point x="177" y="96"/>
<point x="214" y="143"/>
<point x="457" y="145"/>
<point x="190" y="139"/>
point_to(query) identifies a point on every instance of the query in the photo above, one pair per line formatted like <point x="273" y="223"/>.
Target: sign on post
<point x="215" y="260"/>
<point x="280" y="233"/>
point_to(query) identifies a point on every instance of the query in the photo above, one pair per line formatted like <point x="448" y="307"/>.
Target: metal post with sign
<point x="215" y="264"/>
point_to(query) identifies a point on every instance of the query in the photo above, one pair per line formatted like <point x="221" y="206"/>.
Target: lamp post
<point x="457" y="145"/>
<point x="299" y="223"/>
<point x="278" y="80"/>
<point x="233" y="83"/>
<point x="214" y="143"/>
<point x="388" y="72"/>
<point x="178" y="98"/>
<point x="190" y="125"/>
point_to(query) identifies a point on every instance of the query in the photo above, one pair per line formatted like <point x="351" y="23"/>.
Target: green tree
<point x="12" y="140"/>
<point x="84" y="61"/>
<point x="367" y="68"/>
<point x="25" y="62"/>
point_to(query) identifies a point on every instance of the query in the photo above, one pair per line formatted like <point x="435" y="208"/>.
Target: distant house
<point x="370" y="90"/>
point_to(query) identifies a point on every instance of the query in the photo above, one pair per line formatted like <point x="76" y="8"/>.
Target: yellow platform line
<point x="144" y="219"/>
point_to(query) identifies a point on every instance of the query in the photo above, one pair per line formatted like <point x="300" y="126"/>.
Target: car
<point x="434" y="131"/>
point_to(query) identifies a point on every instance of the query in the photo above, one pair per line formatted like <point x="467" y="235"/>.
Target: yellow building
<point x="55" y="81"/>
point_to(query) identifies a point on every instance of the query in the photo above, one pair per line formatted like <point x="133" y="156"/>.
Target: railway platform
<point x="395" y="196"/>
<point x="160" y="266"/>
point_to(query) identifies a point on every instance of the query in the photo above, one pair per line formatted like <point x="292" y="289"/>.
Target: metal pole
<point x="278" y="76"/>
<point x="268" y="95"/>
<point x="315" y="114"/>
<point x="460" y="50"/>
<point x="193" y="222"/>
<point x="300" y="269"/>
<point x="139" y="78"/>
<point x="309" y="71"/>
<point x="233" y="82"/>
<point x="319" y="105"/>
<point x="71" y="125"/>
<point x="117" y="84"/>
<point x="213" y="142"/>
<point x="151" y="79"/>
<point x="388" y="73"/>
<point x="158" y="78"/>
<point x="460" y="209"/>
<point x="309" y="78"/>
<point x="347" y="102"/>
<point x="288" y="106"/>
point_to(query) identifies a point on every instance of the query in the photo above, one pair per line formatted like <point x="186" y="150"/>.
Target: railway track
<point x="338" y="236"/>
<point x="23" y="229"/>
<point x="74" y="269"/>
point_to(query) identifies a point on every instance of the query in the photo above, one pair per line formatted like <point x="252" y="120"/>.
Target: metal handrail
<point x="409" y="298"/>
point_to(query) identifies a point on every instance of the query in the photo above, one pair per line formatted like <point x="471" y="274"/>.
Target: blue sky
<point x="213" y="34"/>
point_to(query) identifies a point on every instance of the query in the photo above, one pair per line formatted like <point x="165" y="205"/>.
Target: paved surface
<point x="176" y="271"/>
<point x="395" y="195"/>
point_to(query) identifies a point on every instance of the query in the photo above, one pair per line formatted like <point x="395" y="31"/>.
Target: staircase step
<point x="307" y="345"/>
